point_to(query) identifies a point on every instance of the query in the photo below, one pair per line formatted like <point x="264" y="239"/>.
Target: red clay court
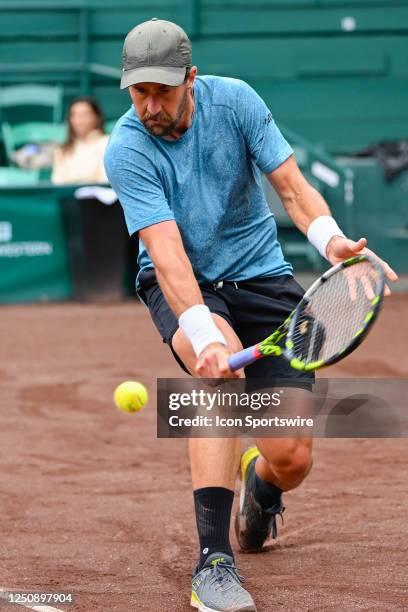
<point x="93" y="503"/>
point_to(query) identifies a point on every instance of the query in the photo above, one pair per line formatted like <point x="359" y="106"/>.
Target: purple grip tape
<point x="242" y="359"/>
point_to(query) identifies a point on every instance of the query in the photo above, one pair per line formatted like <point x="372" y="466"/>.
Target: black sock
<point x="213" y="514"/>
<point x="266" y="493"/>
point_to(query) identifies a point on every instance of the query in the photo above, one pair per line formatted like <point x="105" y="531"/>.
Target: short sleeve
<point x="137" y="184"/>
<point x="264" y="139"/>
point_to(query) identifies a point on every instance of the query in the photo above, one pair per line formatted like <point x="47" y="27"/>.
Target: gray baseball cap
<point x="155" y="51"/>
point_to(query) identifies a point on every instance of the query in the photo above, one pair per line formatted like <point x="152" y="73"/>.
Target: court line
<point x="36" y="608"/>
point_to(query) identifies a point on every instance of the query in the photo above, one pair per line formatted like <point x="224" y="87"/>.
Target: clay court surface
<point x="92" y="502"/>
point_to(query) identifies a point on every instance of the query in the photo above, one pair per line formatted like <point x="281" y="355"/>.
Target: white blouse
<point x="83" y="163"/>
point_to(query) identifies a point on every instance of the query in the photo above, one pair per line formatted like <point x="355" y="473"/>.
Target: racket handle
<point x="243" y="358"/>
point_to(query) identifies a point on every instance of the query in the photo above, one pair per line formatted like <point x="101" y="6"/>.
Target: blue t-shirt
<point x="208" y="181"/>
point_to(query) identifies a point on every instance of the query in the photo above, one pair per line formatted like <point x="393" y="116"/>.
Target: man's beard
<point x="167" y="124"/>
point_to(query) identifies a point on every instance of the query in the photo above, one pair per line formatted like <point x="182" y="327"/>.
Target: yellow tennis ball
<point x="130" y="396"/>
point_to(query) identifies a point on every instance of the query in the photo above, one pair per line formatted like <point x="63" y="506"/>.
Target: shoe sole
<point x="196" y="603"/>
<point x="246" y="459"/>
<point x="251" y="453"/>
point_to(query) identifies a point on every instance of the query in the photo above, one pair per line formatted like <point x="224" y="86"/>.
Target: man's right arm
<point x="173" y="268"/>
<point x="180" y="288"/>
<point x="138" y="185"/>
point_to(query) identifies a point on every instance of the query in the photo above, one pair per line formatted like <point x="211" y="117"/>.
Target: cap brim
<point x="153" y="74"/>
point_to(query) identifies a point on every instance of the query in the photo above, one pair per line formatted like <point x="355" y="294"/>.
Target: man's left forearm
<point x="311" y="214"/>
<point x="304" y="206"/>
<point x="302" y="202"/>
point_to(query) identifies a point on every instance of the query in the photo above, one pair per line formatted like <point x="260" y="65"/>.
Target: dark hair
<point x="68" y="144"/>
<point x="188" y="68"/>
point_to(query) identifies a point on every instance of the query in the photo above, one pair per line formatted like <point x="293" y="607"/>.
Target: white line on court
<point x="37" y="608"/>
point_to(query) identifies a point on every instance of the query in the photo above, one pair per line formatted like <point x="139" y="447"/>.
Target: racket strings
<point x="335" y="313"/>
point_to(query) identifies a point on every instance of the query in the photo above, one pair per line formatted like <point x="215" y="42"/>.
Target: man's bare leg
<point x="214" y="461"/>
<point x="284" y="462"/>
<point x="275" y="466"/>
<point x="287" y="461"/>
<point x="214" y="465"/>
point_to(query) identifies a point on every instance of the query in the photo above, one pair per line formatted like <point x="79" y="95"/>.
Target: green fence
<point x="33" y="255"/>
<point x="333" y="70"/>
<point x="379" y="211"/>
<point x="35" y="263"/>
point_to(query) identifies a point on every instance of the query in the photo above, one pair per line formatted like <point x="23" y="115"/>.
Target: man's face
<point x="159" y="107"/>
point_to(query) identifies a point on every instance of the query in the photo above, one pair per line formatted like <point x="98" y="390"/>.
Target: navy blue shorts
<point x="254" y="308"/>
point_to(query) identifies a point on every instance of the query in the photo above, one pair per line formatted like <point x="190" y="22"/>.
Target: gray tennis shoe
<point x="217" y="587"/>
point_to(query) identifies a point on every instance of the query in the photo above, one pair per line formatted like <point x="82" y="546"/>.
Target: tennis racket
<point x="332" y="319"/>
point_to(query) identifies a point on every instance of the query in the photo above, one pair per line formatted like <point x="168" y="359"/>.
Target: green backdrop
<point x="336" y="71"/>
<point x="33" y="254"/>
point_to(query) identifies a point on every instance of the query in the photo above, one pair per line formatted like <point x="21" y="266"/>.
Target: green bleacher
<point x="335" y="71"/>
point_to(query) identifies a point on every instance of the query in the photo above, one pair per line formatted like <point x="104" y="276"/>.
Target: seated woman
<point x="80" y="159"/>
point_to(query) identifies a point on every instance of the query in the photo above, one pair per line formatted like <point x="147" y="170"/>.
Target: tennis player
<point x="186" y="163"/>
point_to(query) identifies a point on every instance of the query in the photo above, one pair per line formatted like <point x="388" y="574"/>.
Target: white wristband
<point x="321" y="231"/>
<point x="199" y="327"/>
